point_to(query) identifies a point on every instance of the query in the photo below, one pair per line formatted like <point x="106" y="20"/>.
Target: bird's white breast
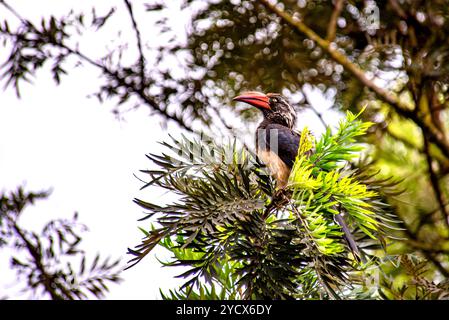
<point x="276" y="166"/>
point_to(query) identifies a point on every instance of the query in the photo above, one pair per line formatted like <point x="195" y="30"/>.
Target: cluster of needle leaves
<point x="218" y="228"/>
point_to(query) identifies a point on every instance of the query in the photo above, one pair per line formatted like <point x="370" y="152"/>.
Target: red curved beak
<point x="256" y="99"/>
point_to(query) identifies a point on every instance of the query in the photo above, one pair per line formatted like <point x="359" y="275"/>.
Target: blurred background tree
<point x="390" y="56"/>
<point x="51" y="263"/>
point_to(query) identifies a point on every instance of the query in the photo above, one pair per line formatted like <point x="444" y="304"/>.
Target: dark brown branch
<point x="48" y="280"/>
<point x="139" y="42"/>
<point x="400" y="106"/>
<point x="319" y="115"/>
<point x="332" y="26"/>
<point x="349" y="238"/>
<point x="232" y="130"/>
<point x="122" y="82"/>
<point x="315" y="111"/>
<point x="436" y="185"/>
<point x="437" y="264"/>
<point x="339" y="57"/>
<point x="432" y="248"/>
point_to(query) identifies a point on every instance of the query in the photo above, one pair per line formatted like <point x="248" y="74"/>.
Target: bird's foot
<point x="280" y="198"/>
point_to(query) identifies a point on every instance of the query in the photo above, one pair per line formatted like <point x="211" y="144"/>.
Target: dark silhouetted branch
<point x="138" y="89"/>
<point x="436" y="185"/>
<point x="48" y="280"/>
<point x="139" y="42"/>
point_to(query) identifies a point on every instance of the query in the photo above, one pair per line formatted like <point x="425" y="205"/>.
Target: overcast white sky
<point x="55" y="137"/>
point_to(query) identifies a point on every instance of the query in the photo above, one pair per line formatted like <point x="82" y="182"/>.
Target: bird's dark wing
<point x="287" y="142"/>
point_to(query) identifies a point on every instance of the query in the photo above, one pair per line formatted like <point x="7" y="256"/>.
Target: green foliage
<point x="224" y="286"/>
<point x="323" y="188"/>
<point x="220" y="227"/>
<point x="334" y="150"/>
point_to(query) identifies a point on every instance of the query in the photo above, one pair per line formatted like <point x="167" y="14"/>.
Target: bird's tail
<point x="282" y="196"/>
<point x="349" y="238"/>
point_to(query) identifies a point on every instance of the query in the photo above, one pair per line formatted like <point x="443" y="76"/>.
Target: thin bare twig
<point x="437" y="264"/>
<point x="436" y="185"/>
<point x="12" y="10"/>
<point x="139" y="42"/>
<point x="122" y="82"/>
<point x="319" y="115"/>
<point x="232" y="130"/>
<point x="332" y="26"/>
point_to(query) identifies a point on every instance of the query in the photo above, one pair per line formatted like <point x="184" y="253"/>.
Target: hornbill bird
<point x="276" y="141"/>
<point x="277" y="146"/>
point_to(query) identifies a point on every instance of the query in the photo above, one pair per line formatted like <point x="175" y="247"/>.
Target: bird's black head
<point x="274" y="107"/>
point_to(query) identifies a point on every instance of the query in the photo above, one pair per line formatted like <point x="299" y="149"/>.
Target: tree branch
<point x="47" y="279"/>
<point x="318" y="115"/>
<point x="437" y="264"/>
<point x="332" y="26"/>
<point x="122" y="81"/>
<point x="314" y="110"/>
<point x="436" y="185"/>
<point x="401" y="107"/>
<point x="339" y="57"/>
<point x="139" y="42"/>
